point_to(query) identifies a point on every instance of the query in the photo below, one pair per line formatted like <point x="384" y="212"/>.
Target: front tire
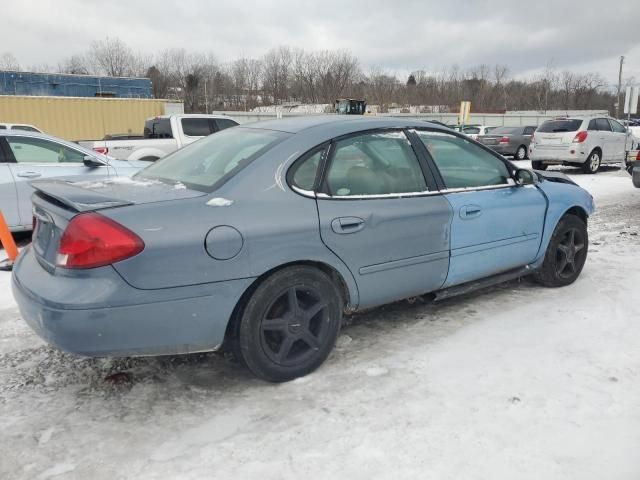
<point x="290" y="324"/>
<point x="538" y="165"/>
<point x="635" y="177"/>
<point x="592" y="164"/>
<point x="566" y="253"/>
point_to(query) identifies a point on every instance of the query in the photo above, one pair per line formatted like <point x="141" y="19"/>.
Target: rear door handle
<point x="344" y="225"/>
<point x="470" y="211"/>
<point x="29" y="174"/>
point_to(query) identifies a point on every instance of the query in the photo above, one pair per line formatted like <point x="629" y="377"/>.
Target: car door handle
<point x="29" y="174"/>
<point x="470" y="211"/>
<point x="344" y="225"/>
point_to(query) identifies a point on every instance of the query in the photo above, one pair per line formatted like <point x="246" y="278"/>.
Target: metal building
<point x="63" y="85"/>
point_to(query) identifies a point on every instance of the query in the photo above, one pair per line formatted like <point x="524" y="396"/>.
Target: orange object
<point x="7" y="239"/>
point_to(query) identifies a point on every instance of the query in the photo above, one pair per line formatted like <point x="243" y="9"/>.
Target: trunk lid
<point x="56" y="202"/>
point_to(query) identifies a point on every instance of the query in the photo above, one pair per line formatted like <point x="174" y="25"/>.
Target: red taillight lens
<point x="504" y="140"/>
<point x="102" y="150"/>
<point x="580" y="137"/>
<point x="91" y="240"/>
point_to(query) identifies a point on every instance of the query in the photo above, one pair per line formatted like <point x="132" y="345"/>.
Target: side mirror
<point x="92" y="162"/>
<point x="523" y="177"/>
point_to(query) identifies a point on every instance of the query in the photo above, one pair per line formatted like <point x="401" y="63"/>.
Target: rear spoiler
<point x="75" y="197"/>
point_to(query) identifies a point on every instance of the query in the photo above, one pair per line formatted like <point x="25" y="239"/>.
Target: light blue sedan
<point x="259" y="238"/>
<point x="26" y="156"/>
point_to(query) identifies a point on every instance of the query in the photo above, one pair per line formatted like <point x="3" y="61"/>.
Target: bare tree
<point x="9" y="62"/>
<point x="75" y="64"/>
<point x="112" y="57"/>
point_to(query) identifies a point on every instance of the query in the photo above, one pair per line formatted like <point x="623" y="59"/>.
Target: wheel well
<point x="578" y="212"/>
<point x="597" y="149"/>
<point x="234" y="322"/>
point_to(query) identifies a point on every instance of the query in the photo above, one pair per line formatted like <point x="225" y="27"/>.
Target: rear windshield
<point x="157" y="128"/>
<point x="205" y="164"/>
<point x="506" y="130"/>
<point x="556" y="126"/>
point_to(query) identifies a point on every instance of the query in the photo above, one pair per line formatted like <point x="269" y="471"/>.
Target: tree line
<point x="286" y="75"/>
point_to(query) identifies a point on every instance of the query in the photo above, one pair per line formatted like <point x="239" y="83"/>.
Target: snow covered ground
<point x="518" y="382"/>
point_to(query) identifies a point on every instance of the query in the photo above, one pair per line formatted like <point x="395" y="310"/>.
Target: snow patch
<point x="376" y="371"/>
<point x="56" y="470"/>
<point x="219" y="202"/>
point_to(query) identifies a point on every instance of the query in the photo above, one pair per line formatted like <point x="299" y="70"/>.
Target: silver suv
<point x="583" y="141"/>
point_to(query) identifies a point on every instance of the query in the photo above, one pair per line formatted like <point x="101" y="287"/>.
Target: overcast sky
<point x="398" y="36"/>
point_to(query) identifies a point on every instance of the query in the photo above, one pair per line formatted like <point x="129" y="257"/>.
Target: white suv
<point x="584" y="141"/>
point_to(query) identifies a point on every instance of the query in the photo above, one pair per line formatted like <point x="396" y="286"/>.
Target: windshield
<point x="506" y="130"/>
<point x="204" y="163"/>
<point x="555" y="126"/>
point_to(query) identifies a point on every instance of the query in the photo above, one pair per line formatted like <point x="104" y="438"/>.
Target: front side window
<point x="196" y="127"/>
<point x="378" y="163"/>
<point x="204" y="163"/>
<point x="463" y="164"/>
<point x="617" y="127"/>
<point x="38" y="150"/>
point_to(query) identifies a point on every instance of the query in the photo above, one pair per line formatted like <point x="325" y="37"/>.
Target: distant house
<point x="64" y="85"/>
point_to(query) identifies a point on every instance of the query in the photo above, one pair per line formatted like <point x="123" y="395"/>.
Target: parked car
<point x="19" y="126"/>
<point x="162" y="135"/>
<point x="474" y="131"/>
<point x="258" y="238"/>
<point x="633" y="166"/>
<point x="26" y="156"/>
<point x="586" y="142"/>
<point x="513" y="141"/>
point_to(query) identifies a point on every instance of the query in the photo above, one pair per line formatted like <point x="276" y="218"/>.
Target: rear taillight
<point x="91" y="240"/>
<point x="638" y="155"/>
<point x="504" y="140"/>
<point x="102" y="150"/>
<point x="580" y="137"/>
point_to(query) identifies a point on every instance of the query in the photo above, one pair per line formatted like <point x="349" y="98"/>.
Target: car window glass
<point x="38" y="150"/>
<point x="2" y="127"/>
<point x="506" y="131"/>
<point x="463" y="164"/>
<point x="26" y="128"/>
<point x="305" y="170"/>
<point x="593" y="126"/>
<point x="471" y="130"/>
<point x="196" y="127"/>
<point x="560" y="126"/>
<point x="529" y="130"/>
<point x="603" y="124"/>
<point x="158" y="128"/>
<point x="374" y="164"/>
<point x="223" y="123"/>
<point x="617" y="127"/>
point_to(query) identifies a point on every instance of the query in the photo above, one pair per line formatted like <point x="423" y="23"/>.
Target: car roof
<point x="341" y="124"/>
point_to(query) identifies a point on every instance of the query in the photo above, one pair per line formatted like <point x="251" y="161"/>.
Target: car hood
<point x="557" y="177"/>
<point x="88" y="195"/>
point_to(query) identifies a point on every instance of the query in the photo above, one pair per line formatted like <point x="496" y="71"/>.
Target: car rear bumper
<point x="561" y="154"/>
<point x="173" y="321"/>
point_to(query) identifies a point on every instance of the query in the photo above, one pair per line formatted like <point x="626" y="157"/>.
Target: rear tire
<point x="635" y="177"/>
<point x="538" y="165"/>
<point x="521" y="153"/>
<point x="566" y="253"/>
<point x="290" y="324"/>
<point x="592" y="164"/>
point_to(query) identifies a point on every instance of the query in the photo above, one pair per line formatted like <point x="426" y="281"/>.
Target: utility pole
<point x="619" y="87"/>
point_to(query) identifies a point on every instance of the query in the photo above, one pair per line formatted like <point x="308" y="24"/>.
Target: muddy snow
<point x="515" y="382"/>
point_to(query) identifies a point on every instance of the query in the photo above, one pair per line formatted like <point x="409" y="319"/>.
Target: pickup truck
<point x="162" y="135"/>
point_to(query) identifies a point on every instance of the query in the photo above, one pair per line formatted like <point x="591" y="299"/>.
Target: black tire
<point x="592" y="164"/>
<point x="521" y="153"/>
<point x="635" y="177"/>
<point x="566" y="253"/>
<point x="538" y="165"/>
<point x="290" y="324"/>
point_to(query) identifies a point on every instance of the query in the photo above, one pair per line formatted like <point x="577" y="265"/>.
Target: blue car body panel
<point x="204" y="251"/>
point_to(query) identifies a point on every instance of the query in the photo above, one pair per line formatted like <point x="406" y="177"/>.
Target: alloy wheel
<point x="570" y="253"/>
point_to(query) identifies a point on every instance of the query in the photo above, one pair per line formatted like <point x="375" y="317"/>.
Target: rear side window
<point x="223" y="123"/>
<point x="463" y="164"/>
<point x="158" y="128"/>
<point x="559" y="126"/>
<point x="529" y="130"/>
<point x="506" y="131"/>
<point x="196" y="127"/>
<point x="603" y="125"/>
<point x="205" y="163"/>
<point x="593" y="126"/>
<point x="304" y="171"/>
<point x="472" y="130"/>
<point x="37" y="150"/>
<point x="2" y="127"/>
<point x="378" y="163"/>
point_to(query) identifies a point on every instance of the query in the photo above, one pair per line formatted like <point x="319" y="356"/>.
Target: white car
<point x="162" y="135"/>
<point x="587" y="142"/>
<point x="20" y="126"/>
<point x="474" y="131"/>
